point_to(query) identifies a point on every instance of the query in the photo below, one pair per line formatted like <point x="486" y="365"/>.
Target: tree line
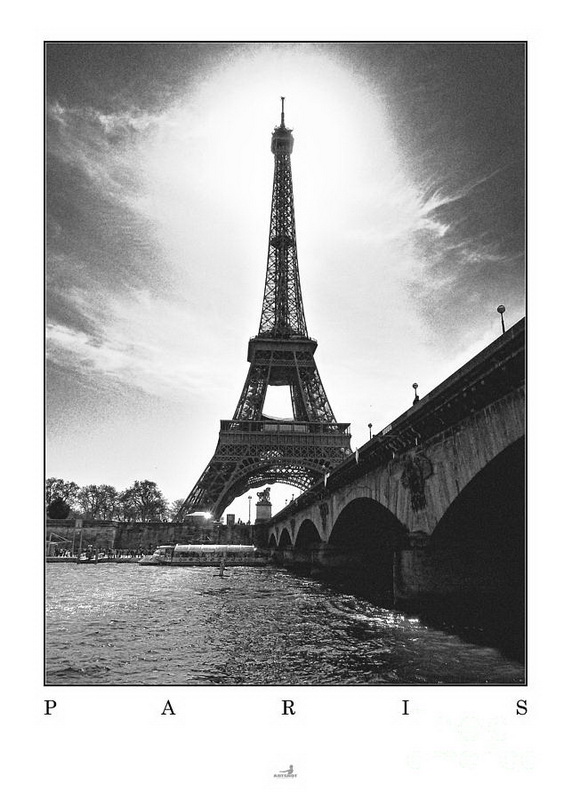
<point x="141" y="502"/>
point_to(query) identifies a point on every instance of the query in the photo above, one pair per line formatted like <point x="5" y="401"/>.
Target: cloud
<point x="437" y="198"/>
<point x="106" y="242"/>
<point x="137" y="341"/>
<point x="105" y="147"/>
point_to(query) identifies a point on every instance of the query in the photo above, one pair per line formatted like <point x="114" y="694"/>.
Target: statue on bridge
<point x="416" y="469"/>
<point x="264" y="495"/>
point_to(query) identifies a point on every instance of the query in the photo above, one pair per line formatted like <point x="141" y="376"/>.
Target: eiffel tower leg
<point x="308" y="392"/>
<point x="253" y="394"/>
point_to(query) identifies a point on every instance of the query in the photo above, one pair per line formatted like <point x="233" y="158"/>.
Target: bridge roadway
<point x="432" y="507"/>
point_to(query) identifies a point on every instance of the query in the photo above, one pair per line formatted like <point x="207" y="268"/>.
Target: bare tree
<point x="175" y="507"/>
<point x="87" y="499"/>
<point x="107" y="501"/>
<point x="143" y="502"/>
<point x="98" y="502"/>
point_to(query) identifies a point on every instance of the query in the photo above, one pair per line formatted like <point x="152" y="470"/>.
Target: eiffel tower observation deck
<point x="254" y="449"/>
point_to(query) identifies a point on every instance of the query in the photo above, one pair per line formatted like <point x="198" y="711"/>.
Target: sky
<point x="408" y="174"/>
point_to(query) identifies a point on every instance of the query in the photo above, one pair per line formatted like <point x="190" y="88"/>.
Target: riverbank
<point x="105" y="560"/>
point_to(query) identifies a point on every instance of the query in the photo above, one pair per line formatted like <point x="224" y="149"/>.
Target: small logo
<point x="286" y="773"/>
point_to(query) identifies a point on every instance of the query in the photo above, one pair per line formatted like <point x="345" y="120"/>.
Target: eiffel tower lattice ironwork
<point x="254" y="449"/>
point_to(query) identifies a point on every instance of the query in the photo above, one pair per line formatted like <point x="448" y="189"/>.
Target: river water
<point x="122" y="624"/>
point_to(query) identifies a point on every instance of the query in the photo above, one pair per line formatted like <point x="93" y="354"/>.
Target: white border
<point x="343" y="741"/>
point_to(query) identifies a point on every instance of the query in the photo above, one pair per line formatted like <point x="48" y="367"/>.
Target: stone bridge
<point x="433" y="505"/>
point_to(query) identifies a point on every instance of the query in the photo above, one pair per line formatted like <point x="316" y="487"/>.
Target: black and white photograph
<point x="285" y="364"/>
<point x="284" y="335"/>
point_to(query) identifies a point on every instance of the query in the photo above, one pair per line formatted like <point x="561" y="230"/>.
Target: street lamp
<point x="370" y="425"/>
<point x="500" y="310"/>
<point x="249" y="509"/>
<point x="416" y="397"/>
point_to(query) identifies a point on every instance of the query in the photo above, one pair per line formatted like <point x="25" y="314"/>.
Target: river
<point x="121" y="624"/>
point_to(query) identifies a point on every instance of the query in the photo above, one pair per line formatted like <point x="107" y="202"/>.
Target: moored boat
<point x="205" y="555"/>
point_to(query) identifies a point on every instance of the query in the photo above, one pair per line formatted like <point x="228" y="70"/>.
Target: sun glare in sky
<point x="208" y="159"/>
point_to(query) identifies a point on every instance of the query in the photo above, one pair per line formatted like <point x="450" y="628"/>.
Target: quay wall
<point x="139" y="536"/>
<point x="69" y="534"/>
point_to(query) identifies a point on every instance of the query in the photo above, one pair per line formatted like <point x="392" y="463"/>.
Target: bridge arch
<point x="477" y="550"/>
<point x="272" y="541"/>
<point x="495" y="496"/>
<point x="363" y="520"/>
<point x="285" y="539"/>
<point x="469" y="449"/>
<point x="360" y="550"/>
<point x="307" y="537"/>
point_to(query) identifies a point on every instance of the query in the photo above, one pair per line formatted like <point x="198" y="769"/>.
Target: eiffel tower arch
<point x="254" y="449"/>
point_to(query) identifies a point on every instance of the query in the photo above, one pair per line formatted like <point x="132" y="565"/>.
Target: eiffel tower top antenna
<point x="283" y="115"/>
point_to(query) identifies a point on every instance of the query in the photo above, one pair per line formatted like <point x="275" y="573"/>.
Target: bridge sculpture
<point x="254" y="449"/>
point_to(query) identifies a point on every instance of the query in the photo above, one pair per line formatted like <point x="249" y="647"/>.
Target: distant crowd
<point x="90" y="553"/>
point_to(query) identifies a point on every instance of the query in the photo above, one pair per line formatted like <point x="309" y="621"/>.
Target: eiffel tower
<point x="254" y="449"/>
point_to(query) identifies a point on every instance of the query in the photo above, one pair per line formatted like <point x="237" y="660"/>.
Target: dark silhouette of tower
<point x="254" y="449"/>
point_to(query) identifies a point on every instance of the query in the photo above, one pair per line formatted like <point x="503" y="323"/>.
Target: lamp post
<point x="416" y="397"/>
<point x="501" y="310"/>
<point x="249" y="509"/>
<point x="370" y="425"/>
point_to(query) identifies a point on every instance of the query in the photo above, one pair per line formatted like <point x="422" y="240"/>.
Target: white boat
<point x="205" y="555"/>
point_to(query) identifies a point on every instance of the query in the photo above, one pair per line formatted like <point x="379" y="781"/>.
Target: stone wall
<point x="139" y="536"/>
<point x="70" y="534"/>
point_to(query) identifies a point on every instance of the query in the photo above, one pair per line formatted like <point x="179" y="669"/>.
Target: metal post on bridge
<point x="501" y="310"/>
